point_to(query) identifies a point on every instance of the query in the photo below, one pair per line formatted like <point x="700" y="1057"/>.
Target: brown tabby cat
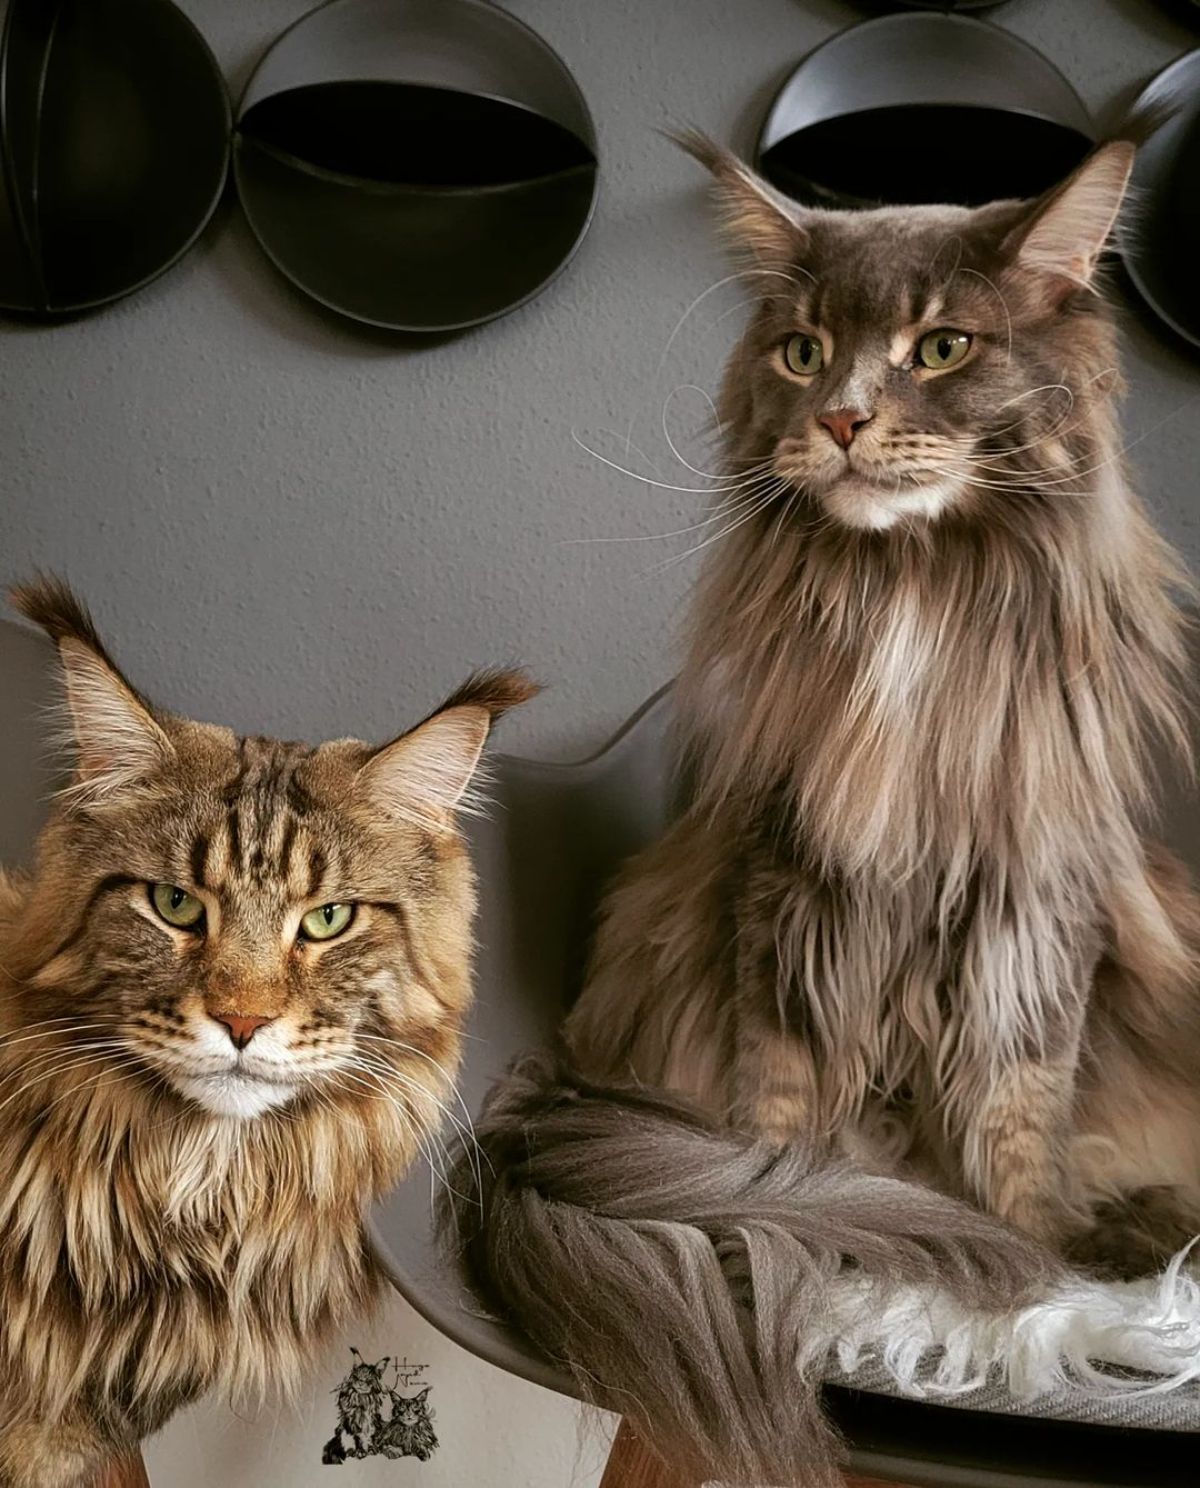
<point x="231" y="993"/>
<point x="911" y="911"/>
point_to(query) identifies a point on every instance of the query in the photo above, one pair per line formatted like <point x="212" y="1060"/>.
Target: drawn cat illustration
<point x="360" y="1400"/>
<point x="409" y="1432"/>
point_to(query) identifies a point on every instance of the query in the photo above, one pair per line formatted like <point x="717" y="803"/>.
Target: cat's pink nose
<point x="844" y="424"/>
<point x="241" y="1028"/>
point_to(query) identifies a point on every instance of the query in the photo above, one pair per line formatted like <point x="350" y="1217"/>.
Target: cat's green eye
<point x="176" y="905"/>
<point x="803" y="355"/>
<point x="326" y="922"/>
<point x="943" y="348"/>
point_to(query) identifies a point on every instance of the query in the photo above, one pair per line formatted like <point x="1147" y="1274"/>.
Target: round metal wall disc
<point x="114" y="147"/>
<point x="916" y="108"/>
<point x="423" y="165"/>
<point x="1161" y="243"/>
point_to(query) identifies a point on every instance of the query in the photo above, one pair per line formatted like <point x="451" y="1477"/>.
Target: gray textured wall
<point x="293" y="525"/>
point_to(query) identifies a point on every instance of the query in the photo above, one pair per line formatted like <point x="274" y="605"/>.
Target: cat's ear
<point x="1064" y="235"/>
<point x="118" y="742"/>
<point x="754" y="216"/>
<point x="421" y="1395"/>
<point x="426" y="774"/>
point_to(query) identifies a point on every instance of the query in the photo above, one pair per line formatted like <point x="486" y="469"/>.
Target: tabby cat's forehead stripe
<point x="266" y="833"/>
<point x="198" y="860"/>
<point x="287" y="843"/>
<point x="299" y="799"/>
<point x="233" y="837"/>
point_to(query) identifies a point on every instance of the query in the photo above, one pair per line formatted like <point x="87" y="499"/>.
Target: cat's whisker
<point x="746" y="490"/>
<point x="1045" y="387"/>
<point x="466" y="1133"/>
<point x="1028" y="489"/>
<point x="716" y="427"/>
<point x="45" y="1022"/>
<point x="118" y="1076"/>
<point x="1132" y="444"/>
<point x="38" y="1063"/>
<point x="47" y="1075"/>
<point x="421" y="1135"/>
<point x="1050" y="479"/>
<point x="432" y="1128"/>
<point x="440" y="1069"/>
<point x="75" y="1046"/>
<point x="8" y="1041"/>
<point x="688" y="387"/>
<point x="632" y="449"/>
<point x="747" y="273"/>
<point x="422" y="1092"/>
<point x="721" y="483"/>
<point x="62" y="1051"/>
<point x="1119" y="454"/>
<point x="1055" y="435"/>
<point x="772" y="492"/>
<point x="978" y="473"/>
<point x="381" y="1066"/>
<point x="785" y="512"/>
<point x="1050" y="430"/>
<point x="1113" y="372"/>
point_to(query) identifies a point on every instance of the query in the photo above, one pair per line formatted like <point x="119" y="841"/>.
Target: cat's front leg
<point x="775" y="1083"/>
<point x="774" y="1090"/>
<point x="1009" y="1097"/>
<point x="1014" y="1141"/>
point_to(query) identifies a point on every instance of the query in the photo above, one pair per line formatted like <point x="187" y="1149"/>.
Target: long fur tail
<point x="686" y="1277"/>
<point x="701" y="1283"/>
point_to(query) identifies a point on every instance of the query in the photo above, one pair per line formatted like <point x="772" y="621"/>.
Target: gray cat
<point x="911" y="915"/>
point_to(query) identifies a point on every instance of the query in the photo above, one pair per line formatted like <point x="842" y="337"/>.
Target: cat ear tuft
<point x="117" y="740"/>
<point x="1066" y="233"/>
<point x="427" y="774"/>
<point x="754" y="215"/>
<point x="495" y="688"/>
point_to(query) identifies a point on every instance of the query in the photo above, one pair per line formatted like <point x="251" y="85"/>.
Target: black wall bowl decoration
<point x="945" y="5"/>
<point x="914" y="108"/>
<point x="423" y="165"/>
<point x="114" y="146"/>
<point x="1161" y="243"/>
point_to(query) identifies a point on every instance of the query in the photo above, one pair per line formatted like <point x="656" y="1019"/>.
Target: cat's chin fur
<point x="235" y="1093"/>
<point x="870" y="506"/>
